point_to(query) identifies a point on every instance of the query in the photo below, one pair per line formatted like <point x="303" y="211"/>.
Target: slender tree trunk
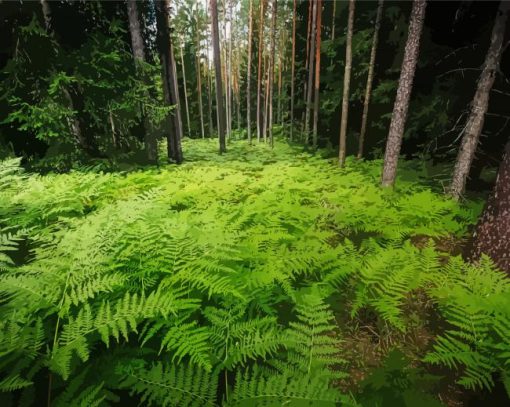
<point x="405" y="86"/>
<point x="370" y="79"/>
<point x="199" y="77"/>
<point x="333" y="21"/>
<point x="311" y="15"/>
<point x="248" y="76"/>
<point x="311" y="55"/>
<point x="186" y="105"/>
<point x="170" y="90"/>
<point x="209" y="83"/>
<point x="260" y="50"/>
<point x="266" y="103"/>
<point x="151" y="146"/>
<point x="293" y="71"/>
<point x="217" y="68"/>
<point x="271" y="71"/>
<point x="347" y="83"/>
<point x="317" y="72"/>
<point x="480" y="103"/>
<point x="280" y="82"/>
<point x="492" y="235"/>
<point x="238" y="90"/>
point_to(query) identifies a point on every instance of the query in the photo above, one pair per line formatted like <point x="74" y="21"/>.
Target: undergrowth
<point x="232" y="280"/>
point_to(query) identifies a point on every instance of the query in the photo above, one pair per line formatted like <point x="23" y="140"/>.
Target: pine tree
<point x="293" y="70"/>
<point x="317" y="72"/>
<point x="311" y="55"/>
<point x="480" y="103"/>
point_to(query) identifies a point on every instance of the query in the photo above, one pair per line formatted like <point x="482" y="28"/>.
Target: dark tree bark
<point x="479" y="105"/>
<point x="168" y="72"/>
<point x="248" y="78"/>
<point x="217" y="69"/>
<point x="317" y="73"/>
<point x="405" y="86"/>
<point x="151" y="146"/>
<point x="346" y="88"/>
<point x="293" y="70"/>
<point x="309" y="90"/>
<point x="492" y="235"/>
<point x="370" y="79"/>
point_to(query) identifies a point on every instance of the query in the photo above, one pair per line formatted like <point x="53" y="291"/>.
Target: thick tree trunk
<point x="347" y="84"/>
<point x="271" y="71"/>
<point x="317" y="73"/>
<point x="151" y="145"/>
<point x="480" y="103"/>
<point x="293" y="71"/>
<point x="309" y="92"/>
<point x="405" y="86"/>
<point x="170" y="90"/>
<point x="185" y="87"/>
<point x="248" y="76"/>
<point x="260" y="115"/>
<point x="217" y="69"/>
<point x="492" y="235"/>
<point x="370" y="79"/>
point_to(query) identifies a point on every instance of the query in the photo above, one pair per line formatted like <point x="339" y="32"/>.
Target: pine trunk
<point x="370" y="79"/>
<point x="480" y="103"/>
<point x="199" y="78"/>
<point x="185" y="87"/>
<point x="309" y="92"/>
<point x="248" y="76"/>
<point x="217" y="69"/>
<point x="317" y="73"/>
<point x="346" y="88"/>
<point x="260" y="116"/>
<point x="333" y="21"/>
<point x="293" y="71"/>
<point x="271" y="71"/>
<point x="405" y="86"/>
<point x="492" y="234"/>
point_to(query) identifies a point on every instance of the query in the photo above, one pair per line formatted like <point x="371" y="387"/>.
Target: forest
<point x="254" y="203"/>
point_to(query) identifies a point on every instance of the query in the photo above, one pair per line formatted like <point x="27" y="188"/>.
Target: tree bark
<point x="217" y="69"/>
<point x="260" y="116"/>
<point x="347" y="83"/>
<point x="199" y="77"/>
<point x="185" y="87"/>
<point x="333" y="21"/>
<point x="293" y="71"/>
<point x="317" y="73"/>
<point x="151" y="145"/>
<point x="479" y="105"/>
<point x="405" y="86"/>
<point x="170" y="91"/>
<point x="311" y="55"/>
<point x="492" y="234"/>
<point x="248" y="76"/>
<point x="271" y="71"/>
<point x="370" y="79"/>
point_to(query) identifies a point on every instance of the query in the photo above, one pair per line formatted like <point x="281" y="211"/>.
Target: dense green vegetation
<point x="261" y="277"/>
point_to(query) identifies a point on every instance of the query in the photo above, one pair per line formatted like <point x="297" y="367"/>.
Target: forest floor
<point x="267" y="228"/>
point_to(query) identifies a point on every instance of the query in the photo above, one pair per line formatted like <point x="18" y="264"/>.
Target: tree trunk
<point x="480" y="103"/>
<point x="209" y="84"/>
<point x="311" y="55"/>
<point x="405" y="86"/>
<point x="347" y="83"/>
<point x="260" y="116"/>
<point x="492" y="234"/>
<point x="317" y="73"/>
<point x="217" y="69"/>
<point x="170" y="91"/>
<point x="333" y="21"/>
<point x="151" y="145"/>
<point x="370" y="79"/>
<point x="185" y="87"/>
<point x="293" y="71"/>
<point x="271" y="71"/>
<point x="248" y="77"/>
<point x="199" y="77"/>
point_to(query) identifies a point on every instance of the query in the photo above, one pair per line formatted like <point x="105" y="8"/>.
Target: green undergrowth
<point x="236" y="280"/>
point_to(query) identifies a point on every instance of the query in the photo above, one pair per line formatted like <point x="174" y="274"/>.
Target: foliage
<point x="218" y="282"/>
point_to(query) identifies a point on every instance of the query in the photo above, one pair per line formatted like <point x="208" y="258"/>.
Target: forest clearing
<point x="254" y="203"/>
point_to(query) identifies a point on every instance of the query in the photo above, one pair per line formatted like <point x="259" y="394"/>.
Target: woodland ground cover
<point x="258" y="277"/>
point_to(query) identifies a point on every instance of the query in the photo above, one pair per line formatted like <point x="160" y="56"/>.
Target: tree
<point x="185" y="87"/>
<point x="217" y="69"/>
<point x="271" y="70"/>
<point x="492" y="234"/>
<point x="317" y="72"/>
<point x="168" y="72"/>
<point x="405" y="86"/>
<point x="260" y="115"/>
<point x="248" y="76"/>
<point x="293" y="70"/>
<point x="347" y="82"/>
<point x="370" y="79"/>
<point x="480" y="103"/>
<point x="311" y="55"/>
<point x="199" y="73"/>
<point x="151" y="145"/>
